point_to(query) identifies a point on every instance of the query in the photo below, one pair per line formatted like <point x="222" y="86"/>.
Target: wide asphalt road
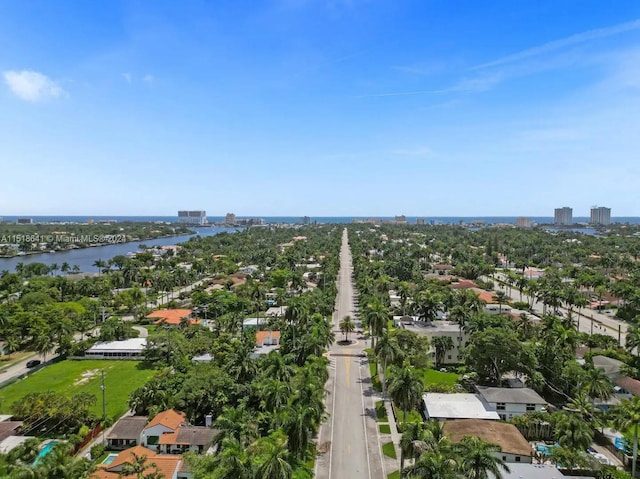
<point x="349" y="438"/>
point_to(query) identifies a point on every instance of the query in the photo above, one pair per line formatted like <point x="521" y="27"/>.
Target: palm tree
<point x="275" y="395"/>
<point x="276" y="457"/>
<point x="501" y="298"/>
<point x="433" y="465"/>
<point x="387" y="350"/>
<point x="442" y="344"/>
<point x="377" y="315"/>
<point x="405" y="388"/>
<point x="235" y="425"/>
<point x="478" y="459"/>
<point x="572" y="432"/>
<point x="233" y="462"/>
<point x="598" y="385"/>
<point x="100" y="264"/>
<point x="627" y="418"/>
<point x="347" y="326"/>
<point x="633" y="338"/>
<point x="299" y="426"/>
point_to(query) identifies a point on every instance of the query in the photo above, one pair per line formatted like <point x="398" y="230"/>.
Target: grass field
<point x="385" y="429"/>
<point x="72" y="377"/>
<point x="394" y="475"/>
<point x="431" y="376"/>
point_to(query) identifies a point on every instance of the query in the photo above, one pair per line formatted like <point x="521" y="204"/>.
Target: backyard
<point x="72" y="377"/>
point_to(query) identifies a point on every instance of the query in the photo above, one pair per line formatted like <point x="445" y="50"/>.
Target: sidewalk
<point x="390" y="464"/>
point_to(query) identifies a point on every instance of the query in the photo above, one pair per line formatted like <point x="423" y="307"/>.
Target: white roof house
<point x="128" y="348"/>
<point x="254" y="322"/>
<point x="457" y="406"/>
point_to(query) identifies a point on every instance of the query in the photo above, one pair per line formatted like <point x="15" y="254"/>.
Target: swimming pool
<point x="46" y="449"/>
<point x="109" y="459"/>
<point x="544" y="449"/>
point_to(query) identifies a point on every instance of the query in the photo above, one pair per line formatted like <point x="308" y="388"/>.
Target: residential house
<point x="514" y="447"/>
<point x="432" y="329"/>
<point x="511" y="402"/>
<point x="172" y="317"/>
<point x="444" y="407"/>
<point x="169" y="432"/>
<point x="266" y="341"/>
<point x="624" y="386"/>
<point x="126" y="433"/>
<point x="169" y="466"/>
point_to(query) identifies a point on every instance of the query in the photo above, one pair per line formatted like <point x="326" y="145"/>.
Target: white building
<point x="563" y="216"/>
<point x="131" y="348"/>
<point x="511" y="402"/>
<point x="192" y="217"/>
<point x="600" y="215"/>
<point x="434" y="329"/>
<point x="442" y="407"/>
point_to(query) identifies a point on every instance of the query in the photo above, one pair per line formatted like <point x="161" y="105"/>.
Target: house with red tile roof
<point x="169" y="432"/>
<point x="170" y="466"/>
<point x="172" y="317"/>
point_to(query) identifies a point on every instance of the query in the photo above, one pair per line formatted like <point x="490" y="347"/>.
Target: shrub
<point x="96" y="451"/>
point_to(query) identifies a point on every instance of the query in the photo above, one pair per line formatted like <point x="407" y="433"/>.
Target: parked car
<point x="33" y="363"/>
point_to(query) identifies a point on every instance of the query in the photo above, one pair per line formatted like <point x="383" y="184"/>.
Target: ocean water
<point x="318" y="219"/>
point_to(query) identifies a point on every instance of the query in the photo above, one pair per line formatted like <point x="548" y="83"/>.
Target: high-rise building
<point x="192" y="217"/>
<point x="305" y="220"/>
<point x="230" y="219"/>
<point x="563" y="216"/>
<point x="524" y="222"/>
<point x="600" y="215"/>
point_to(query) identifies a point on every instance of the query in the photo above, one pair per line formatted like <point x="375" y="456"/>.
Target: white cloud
<point x="32" y="86"/>
<point x="148" y="78"/>
<point x="127" y="77"/>
<point x="563" y="43"/>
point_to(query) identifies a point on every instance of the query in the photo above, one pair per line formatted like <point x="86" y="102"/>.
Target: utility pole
<point x="104" y="408"/>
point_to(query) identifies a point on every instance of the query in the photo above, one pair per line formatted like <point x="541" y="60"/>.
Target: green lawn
<point x="412" y="416"/>
<point x="389" y="450"/>
<point x="71" y="377"/>
<point x="431" y="376"/>
<point x="385" y="429"/>
<point x="394" y="475"/>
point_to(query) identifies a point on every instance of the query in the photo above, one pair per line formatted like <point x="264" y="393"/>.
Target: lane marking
<point x="364" y="424"/>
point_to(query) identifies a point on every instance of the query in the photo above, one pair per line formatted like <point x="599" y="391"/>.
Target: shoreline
<point x="94" y="245"/>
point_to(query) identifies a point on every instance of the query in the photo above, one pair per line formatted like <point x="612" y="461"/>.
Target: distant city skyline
<point x="316" y="108"/>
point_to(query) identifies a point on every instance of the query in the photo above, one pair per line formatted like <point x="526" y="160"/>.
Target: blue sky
<point x="325" y="108"/>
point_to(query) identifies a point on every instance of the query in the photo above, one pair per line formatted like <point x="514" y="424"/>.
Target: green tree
<point x="478" y="459"/>
<point x="627" y="418"/>
<point x="405" y="388"/>
<point x="442" y="344"/>
<point x="347" y="326"/>
<point x="387" y="350"/>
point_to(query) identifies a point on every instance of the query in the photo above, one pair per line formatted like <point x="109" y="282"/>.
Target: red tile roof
<point x="169" y="418"/>
<point x="171" y="316"/>
<point x="262" y="336"/>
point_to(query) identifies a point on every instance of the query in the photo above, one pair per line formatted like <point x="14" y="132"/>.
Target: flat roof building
<point x="563" y="216"/>
<point x="128" y="349"/>
<point x="198" y="217"/>
<point x="600" y="216"/>
<point x="442" y="407"/>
